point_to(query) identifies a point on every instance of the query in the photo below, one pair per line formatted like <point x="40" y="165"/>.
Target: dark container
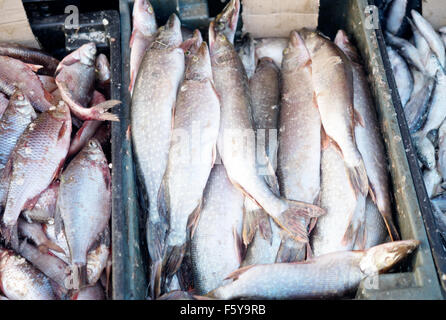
<point x="436" y="242"/>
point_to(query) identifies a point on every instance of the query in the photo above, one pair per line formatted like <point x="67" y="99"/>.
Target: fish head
<point x="103" y="67"/>
<point x="144" y="19"/>
<point x="93" y="151"/>
<point x="169" y="35"/>
<point x="343" y="42"/>
<point x="381" y="258"/>
<point x="87" y="54"/>
<point x="220" y="47"/>
<point x="226" y="21"/>
<point x="296" y="54"/>
<point x="198" y="61"/>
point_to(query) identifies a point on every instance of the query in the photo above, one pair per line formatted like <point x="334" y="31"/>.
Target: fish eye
<point x="187" y="53"/>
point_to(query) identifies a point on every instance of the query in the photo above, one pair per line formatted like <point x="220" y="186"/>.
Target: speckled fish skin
<point x="197" y="108"/>
<point x="84" y="205"/>
<point x="299" y="155"/>
<point x="30" y="55"/>
<point x="44" y="209"/>
<point x="219" y="226"/>
<point x="153" y="101"/>
<point x="271" y="48"/>
<point x="431" y="36"/>
<point x="236" y="120"/>
<point x="21" y="281"/>
<point x="34" y="162"/>
<point x="367" y="133"/>
<point x="143" y="34"/>
<point x="4" y="101"/>
<point x="395" y="15"/>
<point x="53" y="267"/>
<point x="403" y="76"/>
<point x="406" y="50"/>
<point x="14" y="74"/>
<point x="344" y="211"/>
<point x="95" y="292"/>
<point x="333" y="86"/>
<point x="17" y="117"/>
<point x="246" y="52"/>
<point x="226" y="21"/>
<point x="329" y="276"/>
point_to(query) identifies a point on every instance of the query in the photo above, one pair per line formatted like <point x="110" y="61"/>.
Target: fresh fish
<point x="431" y="36"/>
<point x="375" y="228"/>
<point x="403" y="76"/>
<point x="143" y="34"/>
<point x="299" y="155"/>
<point x="51" y="266"/>
<point x="226" y="21"/>
<point x="406" y="50"/>
<point x="34" y="232"/>
<point x="219" y="227"/>
<point x="14" y="74"/>
<point x="17" y="116"/>
<point x="439" y="201"/>
<point x="30" y="55"/>
<point x="420" y="42"/>
<point x="440" y="220"/>
<point x="328" y="276"/>
<point x="44" y="209"/>
<point x="84" y="205"/>
<point x="153" y="101"/>
<point x="34" y="163"/>
<point x="197" y="108"/>
<point x="88" y="129"/>
<point x="95" y="292"/>
<point x="246" y="52"/>
<point x="432" y="180"/>
<point x="103" y="72"/>
<point x="441" y="164"/>
<point x="19" y="280"/>
<point x="425" y="150"/>
<point x="368" y="135"/>
<point x="49" y="83"/>
<point x="395" y="15"/>
<point x="75" y="77"/>
<point x="236" y="127"/>
<point x="415" y="110"/>
<point x="344" y="223"/>
<point x="98" y="258"/>
<point x="333" y="87"/>
<point x="4" y="101"/>
<point x="271" y="48"/>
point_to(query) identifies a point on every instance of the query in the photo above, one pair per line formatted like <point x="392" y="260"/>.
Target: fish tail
<point x="79" y="275"/>
<point x="255" y="218"/>
<point x="358" y="179"/>
<point x="356" y="224"/>
<point x="291" y="220"/>
<point x="290" y="251"/>
<point x="155" y="279"/>
<point x="173" y="259"/>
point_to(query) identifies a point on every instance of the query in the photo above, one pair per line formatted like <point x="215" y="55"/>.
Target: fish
<point x="30" y="55"/>
<point x="395" y="16"/>
<point x="58" y="237"/>
<point x="440" y="220"/>
<point x="34" y="163"/>
<point x="246" y="52"/>
<point x="4" y="101"/>
<point x="98" y="258"/>
<point x="143" y="34"/>
<point x="415" y="110"/>
<point x="20" y="280"/>
<point x="103" y="74"/>
<point x="45" y="207"/>
<point x="425" y="150"/>
<point x="236" y="127"/>
<point x="95" y="292"/>
<point x="153" y="101"/>
<point x="441" y="163"/>
<point x="420" y="42"/>
<point x="15" y="74"/>
<point x="226" y="21"/>
<point x="344" y="222"/>
<point x="333" y="87"/>
<point x="197" y="109"/>
<point x="34" y="232"/>
<point x="16" y="118"/>
<point x="299" y="155"/>
<point x="84" y="205"/>
<point x="406" y="50"/>
<point x="75" y="76"/>
<point x="329" y="276"/>
<point x="432" y="180"/>
<point x="368" y="136"/>
<point x="431" y="36"/>
<point x="220" y="226"/>
<point x="271" y="48"/>
<point x="439" y="200"/>
<point x="403" y="77"/>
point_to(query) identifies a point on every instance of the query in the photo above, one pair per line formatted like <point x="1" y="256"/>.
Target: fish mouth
<point x="228" y="17"/>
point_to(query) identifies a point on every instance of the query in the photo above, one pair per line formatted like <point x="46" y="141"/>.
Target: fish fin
<point x="325" y="140"/>
<point x="132" y="38"/>
<point x="34" y="67"/>
<point x="289" y="252"/>
<point x="310" y="253"/>
<point x="356" y="223"/>
<point x="100" y="113"/>
<point x="315" y="99"/>
<point x="48" y="244"/>
<point x="173" y="259"/>
<point x="214" y="155"/>
<point x="194" y="217"/>
<point x="358" y="118"/>
<point x="132" y="81"/>
<point x="390" y="226"/>
<point x="372" y="193"/>
<point x="155" y="278"/>
<point x="237" y="273"/>
<point x="358" y="179"/>
<point x="79" y="275"/>
<point x="238" y="245"/>
<point x="254" y="219"/>
<point x="361" y="238"/>
<point x="271" y="178"/>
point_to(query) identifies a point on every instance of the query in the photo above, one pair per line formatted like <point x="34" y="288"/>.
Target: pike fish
<point x="153" y="102"/>
<point x="143" y="34"/>
<point x="236" y="126"/>
<point x="220" y="226"/>
<point x="197" y="109"/>
<point x="226" y="21"/>
<point x="84" y="205"/>
<point x="329" y="276"/>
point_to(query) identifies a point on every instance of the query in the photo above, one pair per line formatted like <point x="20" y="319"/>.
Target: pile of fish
<point x="419" y="70"/>
<point x="262" y="171"/>
<point x="55" y="185"/>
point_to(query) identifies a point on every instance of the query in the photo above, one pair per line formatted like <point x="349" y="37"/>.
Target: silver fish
<point x="395" y="15"/>
<point x="403" y="76"/>
<point x="407" y="50"/>
<point x="432" y="180"/>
